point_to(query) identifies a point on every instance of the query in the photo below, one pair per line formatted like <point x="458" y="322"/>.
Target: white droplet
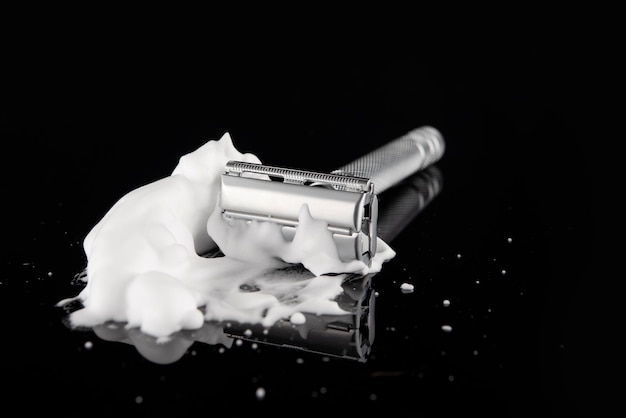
<point x="509" y="240"/>
<point x="297" y="318"/>
<point x="88" y="345"/>
<point x="255" y="346"/>
<point x="446" y="303"/>
<point x="49" y="274"/>
<point x="475" y="352"/>
<point x="238" y="342"/>
<point x="458" y="255"/>
<point x="503" y="272"/>
<point x="247" y="332"/>
<point x="446" y="328"/>
<point x="260" y="393"/>
<point x="138" y="399"/>
<point x="407" y="287"/>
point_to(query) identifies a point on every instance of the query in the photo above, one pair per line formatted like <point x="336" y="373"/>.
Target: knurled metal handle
<point x="398" y="159"/>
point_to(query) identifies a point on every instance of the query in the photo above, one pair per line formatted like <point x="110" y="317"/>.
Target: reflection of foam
<point x="348" y="334"/>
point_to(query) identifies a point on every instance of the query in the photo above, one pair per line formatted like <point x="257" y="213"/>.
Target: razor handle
<point x="398" y="159"/>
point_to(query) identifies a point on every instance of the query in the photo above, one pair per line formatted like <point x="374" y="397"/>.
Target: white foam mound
<point x="144" y="267"/>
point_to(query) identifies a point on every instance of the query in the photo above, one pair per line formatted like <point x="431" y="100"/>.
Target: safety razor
<point x="346" y="198"/>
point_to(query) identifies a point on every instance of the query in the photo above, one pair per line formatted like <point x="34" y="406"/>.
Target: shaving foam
<point x="145" y="263"/>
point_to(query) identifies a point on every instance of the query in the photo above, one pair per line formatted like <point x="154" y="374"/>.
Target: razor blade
<point x="345" y="199"/>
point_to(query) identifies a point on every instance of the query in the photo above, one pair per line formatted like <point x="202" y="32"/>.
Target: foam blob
<point x="145" y="268"/>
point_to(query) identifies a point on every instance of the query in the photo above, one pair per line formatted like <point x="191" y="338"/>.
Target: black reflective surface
<point x="498" y="322"/>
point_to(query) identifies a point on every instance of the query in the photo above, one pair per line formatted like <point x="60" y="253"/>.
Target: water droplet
<point x="503" y="272"/>
<point x="475" y="352"/>
<point x="238" y="342"/>
<point x="458" y="255"/>
<point x="49" y="274"/>
<point x="138" y="399"/>
<point x="88" y="345"/>
<point x="509" y="240"/>
<point x="300" y="360"/>
<point x="446" y="303"/>
<point x="247" y="332"/>
<point x="446" y="328"/>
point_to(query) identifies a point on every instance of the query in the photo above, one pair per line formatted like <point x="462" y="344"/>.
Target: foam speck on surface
<point x="407" y="287"/>
<point x="145" y="265"/>
<point x="297" y="318"/>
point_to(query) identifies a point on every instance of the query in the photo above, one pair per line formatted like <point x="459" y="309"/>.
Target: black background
<point x="89" y="118"/>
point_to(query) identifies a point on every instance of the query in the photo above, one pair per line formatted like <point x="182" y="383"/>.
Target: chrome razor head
<point x="258" y="192"/>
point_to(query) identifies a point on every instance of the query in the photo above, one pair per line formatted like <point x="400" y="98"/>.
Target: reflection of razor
<point x="345" y="199"/>
<point x="346" y="336"/>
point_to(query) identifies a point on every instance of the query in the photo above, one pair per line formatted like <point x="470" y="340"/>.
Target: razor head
<point x="257" y="192"/>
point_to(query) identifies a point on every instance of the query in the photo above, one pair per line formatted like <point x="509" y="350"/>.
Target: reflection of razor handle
<point x="403" y="202"/>
<point x="398" y="159"/>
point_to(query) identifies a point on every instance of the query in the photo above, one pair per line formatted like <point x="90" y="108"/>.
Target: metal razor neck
<point x="289" y="175"/>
